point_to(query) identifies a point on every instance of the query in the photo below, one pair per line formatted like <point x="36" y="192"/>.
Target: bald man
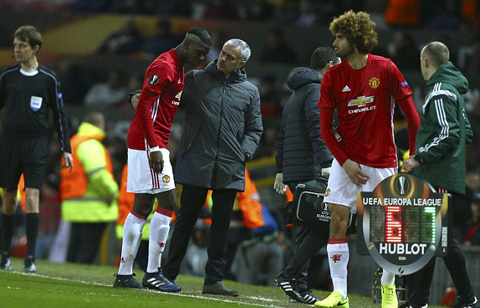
<point x="440" y="150"/>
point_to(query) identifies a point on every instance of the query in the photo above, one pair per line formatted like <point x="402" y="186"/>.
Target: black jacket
<point x="28" y="100"/>
<point x="301" y="152"/>
<point x="222" y="129"/>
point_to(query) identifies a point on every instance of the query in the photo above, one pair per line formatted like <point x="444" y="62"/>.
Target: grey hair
<point x="244" y="48"/>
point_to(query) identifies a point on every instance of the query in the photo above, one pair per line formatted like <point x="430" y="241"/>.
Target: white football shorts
<point x="142" y="180"/>
<point x="341" y="190"/>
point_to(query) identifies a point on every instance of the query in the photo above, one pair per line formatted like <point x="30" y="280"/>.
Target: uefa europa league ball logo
<point x="402" y="185"/>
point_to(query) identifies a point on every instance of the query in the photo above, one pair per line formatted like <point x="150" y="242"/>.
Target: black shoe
<point x="172" y="280"/>
<point x="6" y="262"/>
<point x="309" y="298"/>
<point x="288" y="286"/>
<point x="218" y="288"/>
<point x="409" y="305"/>
<point x="126" y="281"/>
<point x="157" y="281"/>
<point x="471" y="303"/>
<point x="30" y="266"/>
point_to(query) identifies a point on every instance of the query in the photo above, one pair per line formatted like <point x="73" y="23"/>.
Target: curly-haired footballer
<point x="363" y="89"/>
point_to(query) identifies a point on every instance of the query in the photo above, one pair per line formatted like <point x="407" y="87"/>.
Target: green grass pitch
<point x="73" y="286"/>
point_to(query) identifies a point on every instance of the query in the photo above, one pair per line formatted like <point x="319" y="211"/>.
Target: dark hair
<point x="321" y="56"/>
<point x="29" y="34"/>
<point x="202" y="34"/>
<point x="358" y="28"/>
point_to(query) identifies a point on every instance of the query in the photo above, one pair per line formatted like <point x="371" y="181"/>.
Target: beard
<point x="345" y="52"/>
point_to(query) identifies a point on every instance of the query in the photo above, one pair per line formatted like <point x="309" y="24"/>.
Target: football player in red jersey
<point x="150" y="173"/>
<point x="363" y="90"/>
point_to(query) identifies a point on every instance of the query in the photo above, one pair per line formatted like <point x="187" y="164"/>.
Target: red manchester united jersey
<point x="365" y="101"/>
<point x="159" y="101"/>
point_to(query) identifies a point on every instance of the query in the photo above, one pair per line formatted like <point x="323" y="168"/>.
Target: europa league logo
<point x="402" y="185"/>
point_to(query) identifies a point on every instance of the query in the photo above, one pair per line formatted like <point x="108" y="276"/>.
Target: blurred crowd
<point x="444" y="14"/>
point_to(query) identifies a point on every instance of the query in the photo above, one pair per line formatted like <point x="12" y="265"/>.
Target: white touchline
<point x="172" y="294"/>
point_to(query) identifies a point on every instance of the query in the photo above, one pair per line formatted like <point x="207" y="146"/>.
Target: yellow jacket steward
<point x="89" y="193"/>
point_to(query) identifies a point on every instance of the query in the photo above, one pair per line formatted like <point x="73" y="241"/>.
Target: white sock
<point x="387" y="278"/>
<point x="132" y="235"/>
<point x="338" y="255"/>
<point x="159" y="227"/>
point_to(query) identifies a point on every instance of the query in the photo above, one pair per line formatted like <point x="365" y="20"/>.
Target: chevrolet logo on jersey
<point x="176" y="101"/>
<point x="361" y="101"/>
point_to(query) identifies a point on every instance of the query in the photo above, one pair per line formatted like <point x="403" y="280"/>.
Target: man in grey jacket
<point x="222" y="129"/>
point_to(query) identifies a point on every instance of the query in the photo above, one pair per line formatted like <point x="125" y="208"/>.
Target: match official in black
<point x="28" y="91"/>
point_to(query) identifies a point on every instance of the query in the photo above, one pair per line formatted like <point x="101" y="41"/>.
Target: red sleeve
<point x="155" y="80"/>
<point x="397" y="83"/>
<point x="327" y="107"/>
<point x="326" y="130"/>
<point x="327" y="99"/>
<point x="408" y="107"/>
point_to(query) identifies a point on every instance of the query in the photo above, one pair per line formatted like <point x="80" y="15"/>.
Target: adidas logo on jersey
<point x="346" y="89"/>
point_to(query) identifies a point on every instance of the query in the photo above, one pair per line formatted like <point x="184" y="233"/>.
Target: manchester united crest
<point x="166" y="179"/>
<point x="374" y="82"/>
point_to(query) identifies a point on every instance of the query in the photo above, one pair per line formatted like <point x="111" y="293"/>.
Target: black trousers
<point x="85" y="241"/>
<point x="191" y="202"/>
<point x="308" y="243"/>
<point x="419" y="283"/>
